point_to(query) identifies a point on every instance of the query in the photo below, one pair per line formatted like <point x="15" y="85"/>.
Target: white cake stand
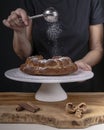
<point x="50" y="89"/>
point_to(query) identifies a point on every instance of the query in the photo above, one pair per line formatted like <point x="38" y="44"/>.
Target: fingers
<point x="23" y="15"/>
<point x="17" y="19"/>
<point x="88" y="67"/>
<point x="5" y="22"/>
<point x="83" y="66"/>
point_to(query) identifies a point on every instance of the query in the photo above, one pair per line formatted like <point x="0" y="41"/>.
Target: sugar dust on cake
<point x="57" y="65"/>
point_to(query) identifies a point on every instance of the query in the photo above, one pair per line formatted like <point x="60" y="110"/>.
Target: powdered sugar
<point x="53" y="32"/>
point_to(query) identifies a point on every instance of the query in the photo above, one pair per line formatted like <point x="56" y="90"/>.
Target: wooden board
<point x="52" y="114"/>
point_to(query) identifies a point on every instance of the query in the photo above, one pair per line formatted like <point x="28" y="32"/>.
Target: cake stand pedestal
<point x="50" y="89"/>
<point x="51" y="92"/>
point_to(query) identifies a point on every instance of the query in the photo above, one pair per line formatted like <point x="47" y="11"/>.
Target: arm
<point x="96" y="48"/>
<point x="22" y="32"/>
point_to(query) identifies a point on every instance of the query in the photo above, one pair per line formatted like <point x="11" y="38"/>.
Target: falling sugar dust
<point x="53" y="32"/>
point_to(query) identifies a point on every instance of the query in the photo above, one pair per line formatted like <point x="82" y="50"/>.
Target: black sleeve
<point x="28" y="6"/>
<point x="97" y="12"/>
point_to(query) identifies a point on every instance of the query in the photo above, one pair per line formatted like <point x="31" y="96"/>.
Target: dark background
<point x="9" y="60"/>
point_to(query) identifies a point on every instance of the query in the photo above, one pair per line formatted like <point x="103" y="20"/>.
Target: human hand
<point x="82" y="65"/>
<point x="17" y="20"/>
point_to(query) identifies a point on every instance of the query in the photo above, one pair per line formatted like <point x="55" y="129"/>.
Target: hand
<point x="82" y="65"/>
<point x="17" y="20"/>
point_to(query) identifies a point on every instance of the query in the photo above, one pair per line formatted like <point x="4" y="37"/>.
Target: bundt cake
<point x="57" y="65"/>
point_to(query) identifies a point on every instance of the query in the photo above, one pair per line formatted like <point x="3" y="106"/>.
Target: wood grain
<point x="52" y="114"/>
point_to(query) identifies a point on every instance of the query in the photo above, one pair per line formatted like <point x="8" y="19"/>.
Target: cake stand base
<point x="50" y="92"/>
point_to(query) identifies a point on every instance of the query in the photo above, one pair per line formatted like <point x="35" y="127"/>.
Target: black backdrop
<point x="8" y="58"/>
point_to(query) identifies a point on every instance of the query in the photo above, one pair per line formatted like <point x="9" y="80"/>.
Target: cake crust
<point x="57" y="65"/>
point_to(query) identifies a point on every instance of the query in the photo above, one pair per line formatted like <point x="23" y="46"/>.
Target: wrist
<point x="20" y="33"/>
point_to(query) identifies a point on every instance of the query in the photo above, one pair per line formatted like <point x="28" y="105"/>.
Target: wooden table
<point x="52" y="114"/>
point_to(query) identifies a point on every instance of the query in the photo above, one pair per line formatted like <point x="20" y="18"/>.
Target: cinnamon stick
<point x="29" y="107"/>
